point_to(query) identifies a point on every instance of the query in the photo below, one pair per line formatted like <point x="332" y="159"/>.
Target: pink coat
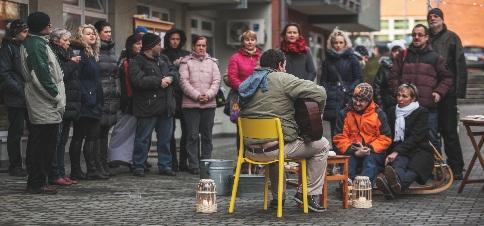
<point x="241" y="66"/>
<point x="199" y="76"/>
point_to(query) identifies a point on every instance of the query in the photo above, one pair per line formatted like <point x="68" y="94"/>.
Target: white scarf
<point x="400" y="114"/>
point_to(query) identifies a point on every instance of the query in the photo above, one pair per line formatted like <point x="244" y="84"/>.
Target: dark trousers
<point x="41" y="147"/>
<point x="182" y="162"/>
<point x="57" y="171"/>
<point x="405" y="175"/>
<point x="434" y="127"/>
<point x="448" y="128"/>
<point x="86" y="128"/>
<point x="199" y="121"/>
<point x="16" y="117"/>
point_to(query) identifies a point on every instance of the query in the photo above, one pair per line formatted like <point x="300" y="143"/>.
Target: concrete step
<point x="470" y="101"/>
<point x="474" y="96"/>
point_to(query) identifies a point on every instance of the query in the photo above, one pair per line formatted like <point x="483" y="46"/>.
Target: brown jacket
<point x="424" y="68"/>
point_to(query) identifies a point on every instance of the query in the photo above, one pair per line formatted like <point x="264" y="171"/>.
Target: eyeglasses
<point x="419" y="35"/>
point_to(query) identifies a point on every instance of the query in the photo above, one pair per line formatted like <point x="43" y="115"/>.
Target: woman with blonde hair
<point x="243" y="62"/>
<point x="86" y="44"/>
<point x="341" y="72"/>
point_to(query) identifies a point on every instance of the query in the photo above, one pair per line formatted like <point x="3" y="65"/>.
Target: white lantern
<point x="361" y="192"/>
<point x="206" y="196"/>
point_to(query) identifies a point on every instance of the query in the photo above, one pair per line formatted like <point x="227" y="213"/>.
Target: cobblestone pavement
<point x="162" y="200"/>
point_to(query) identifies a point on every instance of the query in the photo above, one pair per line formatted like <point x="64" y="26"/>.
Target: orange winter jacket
<point x="370" y="128"/>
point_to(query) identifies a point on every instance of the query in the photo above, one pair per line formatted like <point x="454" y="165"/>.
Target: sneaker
<point x="167" y="172"/>
<point x="139" y="172"/>
<point x="61" y="182"/>
<point x="382" y="185"/>
<point x="17" y="172"/>
<point x="392" y="179"/>
<point x="273" y="204"/>
<point x="313" y="202"/>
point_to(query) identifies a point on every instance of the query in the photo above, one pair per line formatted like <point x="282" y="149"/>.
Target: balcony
<point x="327" y="7"/>
<point x="350" y="15"/>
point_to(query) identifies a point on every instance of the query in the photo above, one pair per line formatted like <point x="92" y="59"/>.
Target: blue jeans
<point x="58" y="170"/>
<point x="372" y="165"/>
<point x="163" y="125"/>
<point x="405" y="175"/>
<point x="434" y="128"/>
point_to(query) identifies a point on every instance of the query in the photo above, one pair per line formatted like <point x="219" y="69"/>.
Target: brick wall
<point x="465" y="19"/>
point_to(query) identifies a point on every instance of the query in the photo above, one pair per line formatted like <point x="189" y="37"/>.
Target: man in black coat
<point x="152" y="77"/>
<point x="12" y="90"/>
<point x="174" y="41"/>
<point x="449" y="46"/>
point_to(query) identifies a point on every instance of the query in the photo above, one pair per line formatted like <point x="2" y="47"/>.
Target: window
<point x="382" y="38"/>
<point x="153" y="12"/>
<point x="400" y="37"/>
<point x="424" y="22"/>
<point x="401" y="24"/>
<point x="77" y="12"/>
<point x="203" y="26"/>
<point x="383" y="24"/>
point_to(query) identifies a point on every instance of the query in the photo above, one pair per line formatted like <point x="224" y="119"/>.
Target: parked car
<point x="474" y="56"/>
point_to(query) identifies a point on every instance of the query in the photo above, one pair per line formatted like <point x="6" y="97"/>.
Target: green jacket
<point x="44" y="85"/>
<point x="283" y="90"/>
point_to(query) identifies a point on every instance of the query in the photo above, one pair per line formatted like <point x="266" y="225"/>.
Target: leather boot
<point x="103" y="142"/>
<point x="93" y="172"/>
<point x="75" y="157"/>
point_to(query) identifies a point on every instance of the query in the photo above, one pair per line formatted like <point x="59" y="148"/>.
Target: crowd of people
<point x="386" y="120"/>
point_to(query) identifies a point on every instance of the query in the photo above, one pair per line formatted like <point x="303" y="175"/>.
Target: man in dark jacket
<point x="12" y="89"/>
<point x="152" y="77"/>
<point x="449" y="46"/>
<point x="422" y="66"/>
<point x="111" y="88"/>
<point x="382" y="95"/>
<point x="174" y="41"/>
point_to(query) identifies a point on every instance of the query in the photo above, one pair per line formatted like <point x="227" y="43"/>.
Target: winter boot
<point x="90" y="152"/>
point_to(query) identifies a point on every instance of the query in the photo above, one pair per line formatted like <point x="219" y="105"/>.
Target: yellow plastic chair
<point x="266" y="129"/>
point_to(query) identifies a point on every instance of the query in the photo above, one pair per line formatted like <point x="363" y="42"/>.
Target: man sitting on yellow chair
<point x="270" y="92"/>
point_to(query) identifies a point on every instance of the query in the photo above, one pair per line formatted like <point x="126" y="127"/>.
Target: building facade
<point x="222" y="21"/>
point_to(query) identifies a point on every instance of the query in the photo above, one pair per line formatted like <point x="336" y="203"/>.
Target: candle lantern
<point x="361" y="192"/>
<point x="206" y="196"/>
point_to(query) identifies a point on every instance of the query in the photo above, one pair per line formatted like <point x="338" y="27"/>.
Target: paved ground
<point x="161" y="200"/>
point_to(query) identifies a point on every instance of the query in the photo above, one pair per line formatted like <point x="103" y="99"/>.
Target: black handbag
<point x="220" y="98"/>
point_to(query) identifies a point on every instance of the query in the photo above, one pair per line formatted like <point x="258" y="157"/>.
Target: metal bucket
<point x="221" y="171"/>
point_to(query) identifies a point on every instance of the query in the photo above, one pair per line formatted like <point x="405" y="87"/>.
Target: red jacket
<point x="241" y="66"/>
<point x="369" y="128"/>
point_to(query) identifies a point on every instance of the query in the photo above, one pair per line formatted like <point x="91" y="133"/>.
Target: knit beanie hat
<point x="363" y="91"/>
<point x="149" y="41"/>
<point x="37" y="21"/>
<point x="16" y="27"/>
<point x="437" y="12"/>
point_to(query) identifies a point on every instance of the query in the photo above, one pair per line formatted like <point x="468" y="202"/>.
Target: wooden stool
<point x="342" y="160"/>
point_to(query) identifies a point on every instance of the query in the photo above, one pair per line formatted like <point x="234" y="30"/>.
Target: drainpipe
<point x="283" y="13"/>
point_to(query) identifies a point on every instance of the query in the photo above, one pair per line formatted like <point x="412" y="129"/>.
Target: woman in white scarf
<point x="407" y="103"/>
<point x="411" y="156"/>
